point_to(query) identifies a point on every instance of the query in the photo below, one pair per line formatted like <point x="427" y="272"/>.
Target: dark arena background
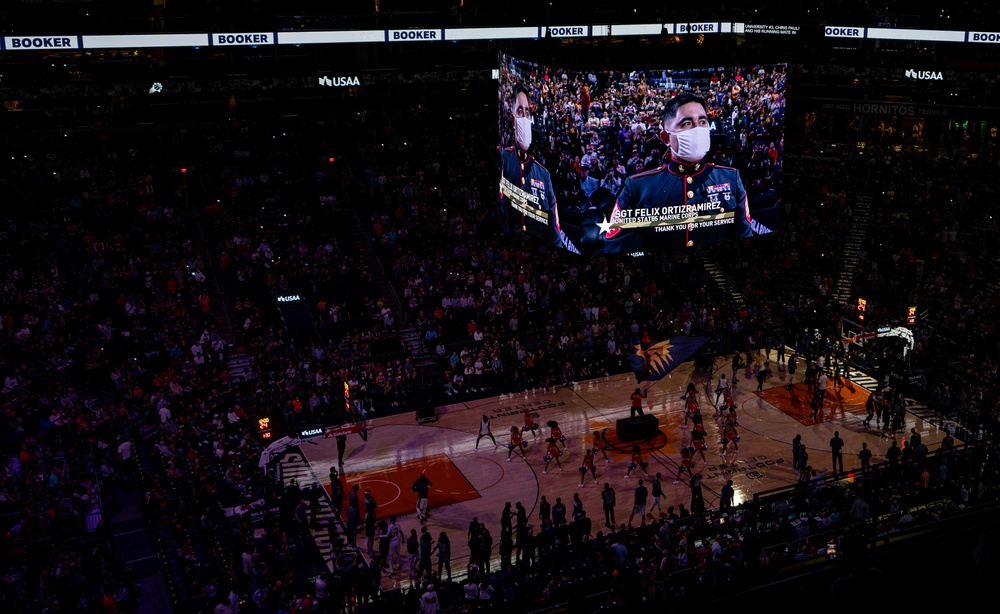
<point x="277" y="336"/>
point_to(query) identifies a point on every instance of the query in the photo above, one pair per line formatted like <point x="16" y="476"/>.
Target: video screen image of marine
<point x="630" y="162"/>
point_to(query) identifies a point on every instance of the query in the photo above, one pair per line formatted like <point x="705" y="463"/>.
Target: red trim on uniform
<point x="725" y="168"/>
<point x="611" y="234"/>
<point x="649" y="172"/>
<point x="704" y="165"/>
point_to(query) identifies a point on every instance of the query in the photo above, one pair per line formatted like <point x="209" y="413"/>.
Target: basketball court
<point x="392" y="486"/>
<point x="468" y="482"/>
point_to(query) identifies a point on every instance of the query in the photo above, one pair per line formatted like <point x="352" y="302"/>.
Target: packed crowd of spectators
<point x="938" y="259"/>
<point x="943" y="263"/>
<point x="560" y="559"/>
<point x="109" y="329"/>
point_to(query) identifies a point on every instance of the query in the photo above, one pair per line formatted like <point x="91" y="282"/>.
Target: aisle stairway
<point x="366" y="252"/>
<point x="851" y="247"/>
<point x="204" y="237"/>
<point x="413" y="340"/>
<point x="723" y="281"/>
<point x="240" y="367"/>
<point x="130" y="536"/>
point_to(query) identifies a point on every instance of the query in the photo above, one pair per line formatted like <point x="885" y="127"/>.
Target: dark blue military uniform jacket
<point x="678" y="204"/>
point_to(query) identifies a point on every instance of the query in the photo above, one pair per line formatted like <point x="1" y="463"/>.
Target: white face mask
<point x="522" y="132"/>
<point x="693" y="144"/>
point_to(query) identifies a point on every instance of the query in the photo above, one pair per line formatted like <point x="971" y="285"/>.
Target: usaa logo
<point x="339" y="82"/>
<point x="926" y="75"/>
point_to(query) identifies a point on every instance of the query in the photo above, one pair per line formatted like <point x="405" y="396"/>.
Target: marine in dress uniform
<point x="683" y="192"/>
<point x="684" y="202"/>
<point x="527" y="198"/>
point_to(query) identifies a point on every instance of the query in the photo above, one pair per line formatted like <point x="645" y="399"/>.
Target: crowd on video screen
<point x="591" y="131"/>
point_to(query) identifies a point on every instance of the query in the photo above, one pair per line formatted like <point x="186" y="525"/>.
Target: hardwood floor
<point x="476" y="482"/>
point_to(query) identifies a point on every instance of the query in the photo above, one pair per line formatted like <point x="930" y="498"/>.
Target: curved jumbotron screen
<point x="616" y="162"/>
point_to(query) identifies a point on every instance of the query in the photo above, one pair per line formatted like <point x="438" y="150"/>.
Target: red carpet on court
<point x="839" y="404"/>
<point x="392" y="487"/>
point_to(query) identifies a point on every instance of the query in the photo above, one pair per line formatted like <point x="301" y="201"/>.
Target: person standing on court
<point x="636" y="400"/>
<point x="484" y="431"/>
<point x="637" y="461"/>
<point x="737" y="365"/>
<point x="697" y="496"/>
<point x="413" y="555"/>
<point x="443" y="548"/>
<point x="370" y="507"/>
<point x="336" y="491"/>
<point x="555" y="432"/>
<point x="796" y="452"/>
<point x="422" y="487"/>
<point x="516" y="443"/>
<point x="353" y="504"/>
<point x="425" y="549"/>
<point x="657" y="492"/>
<point x="521" y="531"/>
<point x="506" y="522"/>
<point x="544" y="513"/>
<point x="762" y="375"/>
<point x="722" y="388"/>
<point x="552" y="453"/>
<point x="395" y="541"/>
<point x="837" y="448"/>
<point x="726" y="497"/>
<point x="520" y="516"/>
<point x="821" y="382"/>
<point x="351" y="525"/>
<point x="341" y="447"/>
<point x="608" y="500"/>
<point x="640" y="495"/>
<point x="370" y="504"/>
<point x="599" y="445"/>
<point x="838" y="376"/>
<point x="529" y="423"/>
<point x="558" y="513"/>
<point x="588" y="465"/>
<point x="865" y="456"/>
<point x="870" y="404"/>
<point x="810" y="376"/>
